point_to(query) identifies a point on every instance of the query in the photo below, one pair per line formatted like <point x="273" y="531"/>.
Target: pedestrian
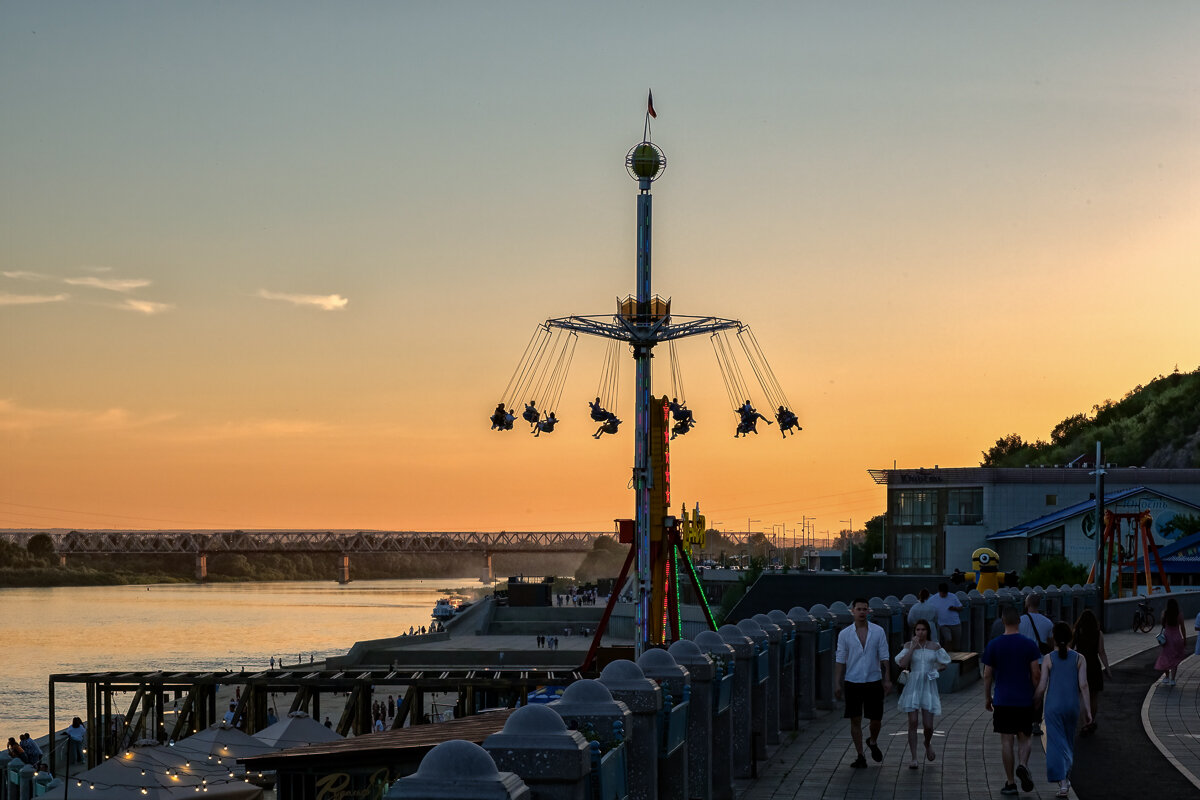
<point x="33" y="753"/>
<point x="1089" y="643"/>
<point x="272" y="662"/>
<point x="272" y="718"/>
<point x="1063" y="685"/>
<point x="1010" y="666"/>
<point x="861" y="673"/>
<point x="328" y="724"/>
<point x="1174" y="648"/>
<point x="391" y="707"/>
<point x="1039" y="629"/>
<point x="15" y="751"/>
<point x="948" y="622"/>
<point x="923" y="610"/>
<point x="924" y="659"/>
<point x="75" y="732"/>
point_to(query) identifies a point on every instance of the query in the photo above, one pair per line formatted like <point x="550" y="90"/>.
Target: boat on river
<point x="444" y="610"/>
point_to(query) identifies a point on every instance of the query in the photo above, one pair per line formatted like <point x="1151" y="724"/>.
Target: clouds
<point x="325" y="302"/>
<point x="100" y="281"/>
<point x="148" y="307"/>
<point x="109" y="284"/>
<point x="104" y="284"/>
<point x="7" y="299"/>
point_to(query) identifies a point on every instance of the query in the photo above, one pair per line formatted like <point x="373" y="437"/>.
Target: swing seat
<point x="531" y="416"/>
<point x="599" y="414"/>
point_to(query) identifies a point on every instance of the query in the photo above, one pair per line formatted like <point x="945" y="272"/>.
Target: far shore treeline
<point x="36" y="564"/>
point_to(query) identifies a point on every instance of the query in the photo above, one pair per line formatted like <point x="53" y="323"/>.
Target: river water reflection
<point x="188" y="627"/>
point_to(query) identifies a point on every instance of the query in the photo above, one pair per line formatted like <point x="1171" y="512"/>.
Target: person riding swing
<point x="531" y="414"/>
<point x="610" y="425"/>
<point x="787" y="421"/>
<point x="546" y="425"/>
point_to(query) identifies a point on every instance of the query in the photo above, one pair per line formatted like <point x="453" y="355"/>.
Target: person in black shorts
<point x="861" y="673"/>
<point x="1011" y="665"/>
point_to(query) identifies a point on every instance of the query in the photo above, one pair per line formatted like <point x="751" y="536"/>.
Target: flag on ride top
<point x="650" y="104"/>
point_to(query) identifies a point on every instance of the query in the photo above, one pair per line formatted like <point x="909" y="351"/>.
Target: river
<point x="188" y="627"/>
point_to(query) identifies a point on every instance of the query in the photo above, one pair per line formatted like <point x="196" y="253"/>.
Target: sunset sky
<point x="272" y="264"/>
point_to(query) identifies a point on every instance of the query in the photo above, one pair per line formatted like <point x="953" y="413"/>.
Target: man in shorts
<point x="1011" y="667"/>
<point x="861" y="673"/>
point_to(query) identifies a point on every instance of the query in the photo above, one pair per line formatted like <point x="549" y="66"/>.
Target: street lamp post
<point x="850" y="541"/>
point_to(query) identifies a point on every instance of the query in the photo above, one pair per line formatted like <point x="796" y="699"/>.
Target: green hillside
<point x="1156" y="425"/>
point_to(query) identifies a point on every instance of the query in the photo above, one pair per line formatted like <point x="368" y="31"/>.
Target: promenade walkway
<point x="1171" y="714"/>
<point x="816" y="762"/>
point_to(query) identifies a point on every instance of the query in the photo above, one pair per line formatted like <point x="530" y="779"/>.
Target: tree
<point x="1185" y="524"/>
<point x="41" y="547"/>
<point x="1066" y="430"/>
<point x="1004" y="447"/>
<point x="872" y="543"/>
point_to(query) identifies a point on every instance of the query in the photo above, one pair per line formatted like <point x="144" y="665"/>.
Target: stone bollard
<point x="899" y="617"/>
<point x="701" y="671"/>
<point x="1052" y="604"/>
<point x="826" y="647"/>
<point x="25" y="782"/>
<point x="881" y="615"/>
<point x="787" y="671"/>
<point x="660" y="666"/>
<point x="588" y="706"/>
<point x="805" y="673"/>
<point x="1078" y="602"/>
<point x="963" y="640"/>
<point x="760" y="676"/>
<point x="977" y="609"/>
<point x="774" y="674"/>
<point x="907" y="602"/>
<point x="458" y="770"/>
<point x="991" y="609"/>
<point x="535" y="744"/>
<point x="643" y="697"/>
<point x="713" y="645"/>
<point x="740" y="703"/>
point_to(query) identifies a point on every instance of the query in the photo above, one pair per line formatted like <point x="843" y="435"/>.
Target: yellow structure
<point x="986" y="574"/>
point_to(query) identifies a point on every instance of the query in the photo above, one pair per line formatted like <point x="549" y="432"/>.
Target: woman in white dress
<point x="924" y="659"/>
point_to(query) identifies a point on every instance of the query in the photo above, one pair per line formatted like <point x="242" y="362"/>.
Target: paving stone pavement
<point x="1171" y="715"/>
<point x="815" y="762"/>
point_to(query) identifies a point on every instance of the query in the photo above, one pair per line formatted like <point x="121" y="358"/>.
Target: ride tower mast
<point x="642" y="321"/>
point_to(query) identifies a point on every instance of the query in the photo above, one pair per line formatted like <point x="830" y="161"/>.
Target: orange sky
<point x="284" y="286"/>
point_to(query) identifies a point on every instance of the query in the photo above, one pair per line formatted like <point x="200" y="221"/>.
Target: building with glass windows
<point x="937" y="517"/>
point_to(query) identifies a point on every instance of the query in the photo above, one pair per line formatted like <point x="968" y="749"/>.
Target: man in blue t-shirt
<point x="1011" y="666"/>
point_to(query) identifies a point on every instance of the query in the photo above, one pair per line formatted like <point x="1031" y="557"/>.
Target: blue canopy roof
<point x="1045" y="523"/>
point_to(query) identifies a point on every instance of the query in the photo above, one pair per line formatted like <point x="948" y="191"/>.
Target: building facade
<point x="937" y="517"/>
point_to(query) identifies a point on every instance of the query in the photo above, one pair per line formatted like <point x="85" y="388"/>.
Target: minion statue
<point x="986" y="574"/>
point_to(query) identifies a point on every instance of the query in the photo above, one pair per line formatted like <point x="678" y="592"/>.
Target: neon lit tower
<point x="643" y="321"/>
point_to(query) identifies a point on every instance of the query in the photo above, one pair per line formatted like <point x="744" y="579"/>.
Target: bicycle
<point x="1143" y="618"/>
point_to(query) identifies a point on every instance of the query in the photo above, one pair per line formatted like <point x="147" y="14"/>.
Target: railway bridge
<point x="343" y="544"/>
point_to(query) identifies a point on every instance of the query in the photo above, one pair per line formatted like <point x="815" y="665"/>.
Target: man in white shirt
<point x="949" y="623"/>
<point x="1036" y="625"/>
<point x="1039" y="629"/>
<point x="861" y="672"/>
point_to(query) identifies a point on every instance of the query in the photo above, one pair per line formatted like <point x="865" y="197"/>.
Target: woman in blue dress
<point x="1064" y="689"/>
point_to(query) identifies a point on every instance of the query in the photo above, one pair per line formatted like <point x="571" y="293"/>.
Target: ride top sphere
<point x="645" y="162"/>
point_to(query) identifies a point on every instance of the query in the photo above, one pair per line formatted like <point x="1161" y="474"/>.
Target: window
<point x="1051" y="499"/>
<point x="964" y="506"/>
<point x="914" y="550"/>
<point x="1047" y="544"/>
<point x="914" y="507"/>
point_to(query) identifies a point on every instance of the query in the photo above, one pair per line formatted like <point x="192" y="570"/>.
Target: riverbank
<point x="189" y="626"/>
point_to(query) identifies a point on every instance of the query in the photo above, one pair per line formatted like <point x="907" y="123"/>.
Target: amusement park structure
<point x="642" y="321"/>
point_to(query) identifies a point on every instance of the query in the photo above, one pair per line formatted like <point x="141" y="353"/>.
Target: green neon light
<point x="699" y="589"/>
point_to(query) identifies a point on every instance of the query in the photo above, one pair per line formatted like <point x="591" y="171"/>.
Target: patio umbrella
<point x="222" y="742"/>
<point x="296" y="729"/>
<point x="153" y="771"/>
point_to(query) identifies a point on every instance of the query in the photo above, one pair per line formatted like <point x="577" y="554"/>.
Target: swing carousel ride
<point x="641" y="322"/>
